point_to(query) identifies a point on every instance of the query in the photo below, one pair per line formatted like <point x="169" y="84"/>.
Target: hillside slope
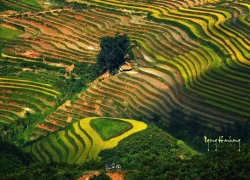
<point x="80" y="141"/>
<point x="191" y="56"/>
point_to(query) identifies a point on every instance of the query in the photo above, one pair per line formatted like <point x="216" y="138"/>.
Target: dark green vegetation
<point x="189" y="129"/>
<point x="15" y="164"/>
<point x="141" y="157"/>
<point x="113" y="50"/>
<point x="7" y="33"/>
<point x="153" y="154"/>
<point x="12" y="157"/>
<point x="109" y="128"/>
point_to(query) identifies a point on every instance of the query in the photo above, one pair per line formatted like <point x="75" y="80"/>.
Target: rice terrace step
<point x="138" y="83"/>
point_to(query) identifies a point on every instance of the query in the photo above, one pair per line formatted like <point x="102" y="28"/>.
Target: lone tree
<point x="113" y="50"/>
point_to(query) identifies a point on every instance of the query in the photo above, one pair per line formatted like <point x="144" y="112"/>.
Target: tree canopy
<point x="154" y="154"/>
<point x="113" y="50"/>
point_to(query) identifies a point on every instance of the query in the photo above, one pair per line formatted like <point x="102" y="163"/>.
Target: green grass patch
<point x="21" y="5"/>
<point x="3" y="7"/>
<point x="9" y="34"/>
<point x="32" y="2"/>
<point x="109" y="128"/>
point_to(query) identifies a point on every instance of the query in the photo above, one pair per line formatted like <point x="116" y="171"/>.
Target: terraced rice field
<point x="79" y="142"/>
<point x="191" y="55"/>
<point x="19" y="96"/>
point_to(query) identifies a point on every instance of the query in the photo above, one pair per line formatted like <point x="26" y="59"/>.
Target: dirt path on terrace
<point x="116" y="175"/>
<point x="30" y="54"/>
<point x="10" y="27"/>
<point x="112" y="175"/>
<point x="88" y="175"/>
